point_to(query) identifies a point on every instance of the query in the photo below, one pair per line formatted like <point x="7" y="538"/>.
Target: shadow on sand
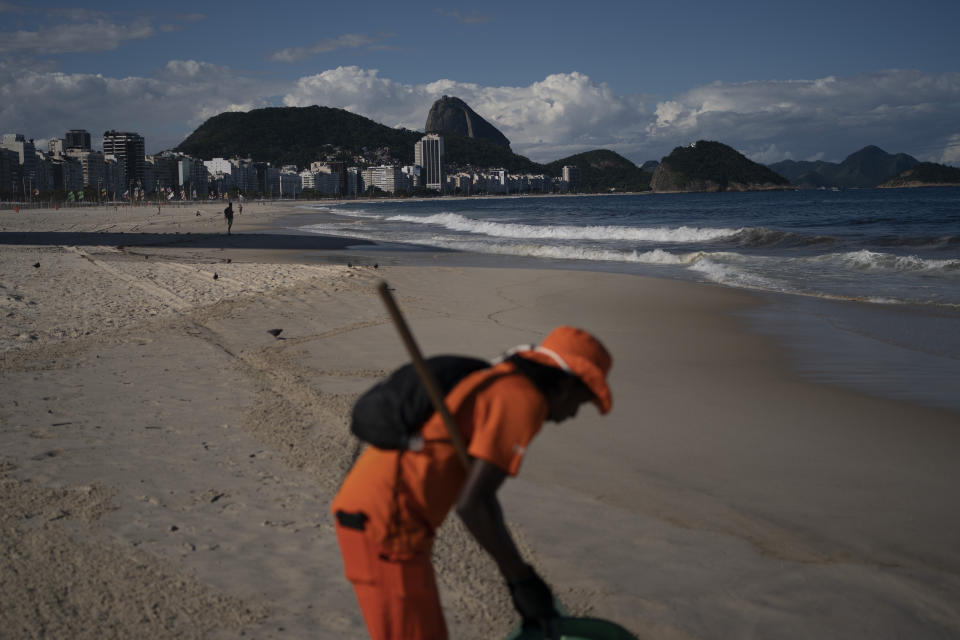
<point x="179" y="240"/>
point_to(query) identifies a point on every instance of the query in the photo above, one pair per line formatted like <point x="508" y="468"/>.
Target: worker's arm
<point x="480" y="511"/>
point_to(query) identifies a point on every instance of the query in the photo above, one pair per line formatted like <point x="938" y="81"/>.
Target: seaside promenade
<point x="167" y="464"/>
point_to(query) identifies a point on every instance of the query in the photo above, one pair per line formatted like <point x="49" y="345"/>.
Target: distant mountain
<point x="866" y="168"/>
<point x="453" y="115"/>
<point x="804" y="173"/>
<point x="712" y="166"/>
<point x="650" y="165"/>
<point x="925" y="174"/>
<point x="603" y="170"/>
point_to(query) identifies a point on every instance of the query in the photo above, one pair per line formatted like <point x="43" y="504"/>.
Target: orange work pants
<point x="398" y="598"/>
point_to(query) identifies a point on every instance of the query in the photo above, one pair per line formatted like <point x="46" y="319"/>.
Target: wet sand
<point x="167" y="464"/>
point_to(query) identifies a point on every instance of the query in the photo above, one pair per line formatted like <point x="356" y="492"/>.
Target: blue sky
<point x="776" y="80"/>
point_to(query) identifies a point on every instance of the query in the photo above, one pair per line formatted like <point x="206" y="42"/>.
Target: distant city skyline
<point x="774" y="80"/>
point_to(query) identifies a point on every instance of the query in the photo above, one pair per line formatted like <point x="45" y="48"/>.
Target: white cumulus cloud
<point x="559" y="115"/>
<point x="830" y="117"/>
<point x="164" y="107"/>
<point x="563" y="113"/>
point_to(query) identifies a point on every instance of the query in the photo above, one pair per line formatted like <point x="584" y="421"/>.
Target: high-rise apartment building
<point x="129" y="148"/>
<point x="428" y="154"/>
<point x="78" y="139"/>
<point x="55" y="147"/>
<point x="386" y="178"/>
<point x="9" y="172"/>
<point x="26" y="157"/>
<point x="571" y="175"/>
<point x="93" y="166"/>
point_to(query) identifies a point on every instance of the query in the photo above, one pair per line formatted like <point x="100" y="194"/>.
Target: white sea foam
<point x="561" y="252"/>
<point x="734" y="275"/>
<point x="873" y="261"/>
<point x="457" y="222"/>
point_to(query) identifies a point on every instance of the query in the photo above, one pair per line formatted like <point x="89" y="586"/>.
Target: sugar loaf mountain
<point x="301" y="135"/>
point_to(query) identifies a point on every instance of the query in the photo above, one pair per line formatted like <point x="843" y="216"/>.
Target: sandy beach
<point x="167" y="464"/>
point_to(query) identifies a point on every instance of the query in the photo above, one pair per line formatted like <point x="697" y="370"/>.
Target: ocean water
<point x="884" y="246"/>
<point x="864" y="284"/>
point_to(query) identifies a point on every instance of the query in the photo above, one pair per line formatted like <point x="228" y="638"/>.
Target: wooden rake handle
<point x="426" y="377"/>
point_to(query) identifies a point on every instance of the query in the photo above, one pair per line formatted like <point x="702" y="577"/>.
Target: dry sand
<point x="166" y="464"/>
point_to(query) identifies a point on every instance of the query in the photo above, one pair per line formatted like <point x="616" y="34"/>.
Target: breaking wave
<point x="865" y="260"/>
<point x="457" y="222"/>
<point x="558" y="252"/>
<point x="758" y="237"/>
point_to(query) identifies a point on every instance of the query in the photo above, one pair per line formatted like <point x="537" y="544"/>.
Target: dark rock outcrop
<point x="453" y="115"/>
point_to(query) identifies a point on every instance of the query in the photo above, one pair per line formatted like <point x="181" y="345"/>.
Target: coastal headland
<point x="167" y="464"/>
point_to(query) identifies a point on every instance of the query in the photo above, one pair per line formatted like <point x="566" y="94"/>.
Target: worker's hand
<point x="533" y="599"/>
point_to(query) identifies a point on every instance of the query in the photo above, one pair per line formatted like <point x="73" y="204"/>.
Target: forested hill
<point x="926" y="174"/>
<point x="603" y="170"/>
<point x="295" y="135"/>
<point x="460" y="152"/>
<point x="712" y="166"/>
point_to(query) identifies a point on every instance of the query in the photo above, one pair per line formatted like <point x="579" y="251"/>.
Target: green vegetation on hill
<point x="294" y="135"/>
<point x="925" y="174"/>
<point x="712" y="166"/>
<point x="477" y="153"/>
<point x="603" y="170"/>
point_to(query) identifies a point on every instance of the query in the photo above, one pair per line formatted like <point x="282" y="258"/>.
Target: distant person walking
<point x="228" y="214"/>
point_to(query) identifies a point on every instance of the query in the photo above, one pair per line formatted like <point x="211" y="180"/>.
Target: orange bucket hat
<point x="577" y="352"/>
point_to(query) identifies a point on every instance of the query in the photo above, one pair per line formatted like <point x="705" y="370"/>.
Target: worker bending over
<point x="393" y="501"/>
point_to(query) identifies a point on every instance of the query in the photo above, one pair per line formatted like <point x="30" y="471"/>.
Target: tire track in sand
<point x="165" y="295"/>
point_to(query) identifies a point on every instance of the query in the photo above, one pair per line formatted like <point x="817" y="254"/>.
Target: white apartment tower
<point x="571" y="175"/>
<point x="428" y="154"/>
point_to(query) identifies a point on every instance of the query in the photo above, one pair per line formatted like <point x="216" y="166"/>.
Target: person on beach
<point x="392" y="501"/>
<point x="228" y="214"/>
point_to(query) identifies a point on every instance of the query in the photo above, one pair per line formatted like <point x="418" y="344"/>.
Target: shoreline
<point x="273" y="234"/>
<point x="153" y="422"/>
